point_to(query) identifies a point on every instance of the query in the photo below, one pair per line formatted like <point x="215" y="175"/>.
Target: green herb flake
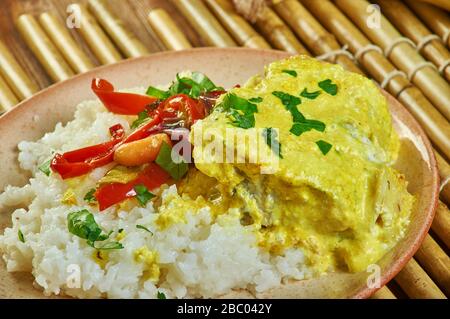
<point x="324" y="147"/>
<point x="241" y="111"/>
<point x="161" y="295"/>
<point x="144" y="228"/>
<point x="176" y="167"/>
<point x="45" y="167"/>
<point x="328" y="86"/>
<point x="290" y="102"/>
<point x="21" y="237"/>
<point x="142" y="118"/>
<point x="159" y="94"/>
<point x="271" y="137"/>
<point x="82" y="224"/>
<point x="307" y="125"/>
<point x="142" y="194"/>
<point x="309" y="95"/>
<point x="290" y="72"/>
<point x="256" y="99"/>
<point x="90" y="196"/>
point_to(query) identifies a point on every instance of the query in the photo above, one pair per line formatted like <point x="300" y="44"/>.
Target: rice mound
<point x="200" y="258"/>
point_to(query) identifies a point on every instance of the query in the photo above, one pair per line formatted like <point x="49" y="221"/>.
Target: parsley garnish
<point x="270" y="135"/>
<point x="142" y="194"/>
<point x="89" y="197"/>
<point x="161" y="295"/>
<point x="328" y="86"/>
<point x="83" y="225"/>
<point x="142" y="117"/>
<point x="144" y="228"/>
<point x="290" y="72"/>
<point x="324" y="147"/>
<point x="307" y="125"/>
<point x="176" y="167"/>
<point x="194" y="87"/>
<point x="309" y="95"/>
<point x="241" y="110"/>
<point x="290" y="102"/>
<point x="20" y="235"/>
<point x="256" y="99"/>
<point x="45" y="167"/>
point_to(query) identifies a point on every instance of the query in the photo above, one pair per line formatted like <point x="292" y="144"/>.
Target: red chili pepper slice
<point x="120" y="102"/>
<point x="82" y="161"/>
<point x="152" y="177"/>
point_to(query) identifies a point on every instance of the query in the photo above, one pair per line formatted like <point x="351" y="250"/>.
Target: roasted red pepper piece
<point x="119" y="102"/>
<point x="152" y="177"/>
<point x="82" y="161"/>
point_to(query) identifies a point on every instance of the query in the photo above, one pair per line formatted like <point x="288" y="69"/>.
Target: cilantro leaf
<point x="89" y="197"/>
<point x="307" y="125"/>
<point x="256" y="99"/>
<point x="144" y="228"/>
<point x="142" y="194"/>
<point x="270" y="135"/>
<point x="161" y="295"/>
<point x="290" y="102"/>
<point x="45" y="167"/>
<point x="20" y="235"/>
<point x="83" y="225"/>
<point x="241" y="110"/>
<point x="328" y="86"/>
<point x="309" y="95"/>
<point x="290" y="72"/>
<point x="324" y="147"/>
<point x="176" y="167"/>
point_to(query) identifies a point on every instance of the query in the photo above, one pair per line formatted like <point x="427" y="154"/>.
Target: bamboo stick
<point x="204" y="22"/>
<point x="441" y="224"/>
<point x="416" y="283"/>
<point x="444" y="173"/>
<point x="14" y="75"/>
<point x="444" y="4"/>
<point x="403" y="55"/>
<point x="277" y="33"/>
<point x="383" y="293"/>
<point x="167" y="30"/>
<point x="62" y="39"/>
<point x="127" y="42"/>
<point x="44" y="50"/>
<point x="242" y="32"/>
<point x="318" y="40"/>
<point x="7" y="97"/>
<point x="433" y="50"/>
<point x="435" y="262"/>
<point x="435" y="18"/>
<point x="95" y="37"/>
<point x="375" y="63"/>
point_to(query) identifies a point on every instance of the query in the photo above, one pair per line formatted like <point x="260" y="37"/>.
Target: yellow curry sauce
<point x="345" y="207"/>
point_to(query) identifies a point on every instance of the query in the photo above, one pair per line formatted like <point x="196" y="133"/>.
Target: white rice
<point x="200" y="258"/>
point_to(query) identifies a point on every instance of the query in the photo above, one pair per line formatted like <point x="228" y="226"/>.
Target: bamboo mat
<point x="408" y="57"/>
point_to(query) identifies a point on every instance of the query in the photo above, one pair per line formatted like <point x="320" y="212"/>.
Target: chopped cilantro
<point x="83" y="225"/>
<point x="328" y="86"/>
<point x="256" y="99"/>
<point x="290" y="102"/>
<point x="324" y="147"/>
<point x="142" y="194"/>
<point x="45" y="167"/>
<point x="290" y="72"/>
<point x="309" y="95"/>
<point x="20" y="235"/>
<point x="241" y="110"/>
<point x="307" y="125"/>
<point x="161" y="295"/>
<point x="89" y="197"/>
<point x="144" y="228"/>
<point x="176" y="167"/>
<point x="270" y="135"/>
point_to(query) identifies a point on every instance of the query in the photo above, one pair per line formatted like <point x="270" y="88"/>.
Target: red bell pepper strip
<point x="182" y="106"/>
<point x="120" y="102"/>
<point x="82" y="161"/>
<point x="152" y="177"/>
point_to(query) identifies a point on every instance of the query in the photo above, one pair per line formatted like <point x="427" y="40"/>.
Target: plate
<point x="34" y="117"/>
